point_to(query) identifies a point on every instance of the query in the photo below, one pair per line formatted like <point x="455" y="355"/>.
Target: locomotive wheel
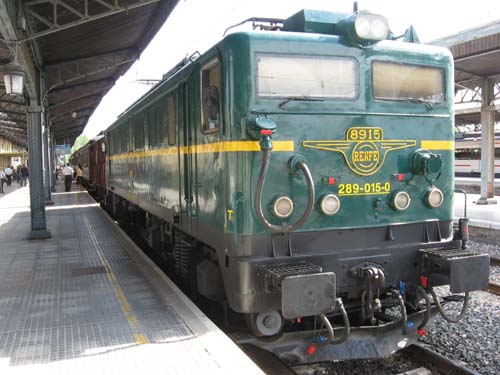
<point x="266" y="324"/>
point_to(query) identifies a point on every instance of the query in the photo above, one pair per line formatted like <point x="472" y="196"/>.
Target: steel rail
<point x="494" y="288"/>
<point x="426" y="356"/>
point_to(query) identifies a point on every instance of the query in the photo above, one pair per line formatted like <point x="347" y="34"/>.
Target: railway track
<point x="431" y="362"/>
<point x="444" y="365"/>
<point x="494" y="288"/>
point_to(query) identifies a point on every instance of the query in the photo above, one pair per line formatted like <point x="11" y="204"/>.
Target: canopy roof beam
<point x="88" y="11"/>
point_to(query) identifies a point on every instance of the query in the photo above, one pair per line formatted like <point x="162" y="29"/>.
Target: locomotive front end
<point x="344" y="218"/>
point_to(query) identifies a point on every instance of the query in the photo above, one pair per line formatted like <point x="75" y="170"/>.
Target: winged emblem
<point x="364" y="148"/>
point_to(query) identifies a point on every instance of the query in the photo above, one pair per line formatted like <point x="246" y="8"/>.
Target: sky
<point x="196" y="25"/>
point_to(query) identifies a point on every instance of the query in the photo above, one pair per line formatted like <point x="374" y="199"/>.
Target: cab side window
<point x="210" y="93"/>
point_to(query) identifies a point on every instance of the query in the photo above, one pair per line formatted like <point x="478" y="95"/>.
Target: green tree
<point x="81" y="141"/>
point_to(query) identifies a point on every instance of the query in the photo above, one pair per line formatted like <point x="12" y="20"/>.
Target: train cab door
<point x="186" y="198"/>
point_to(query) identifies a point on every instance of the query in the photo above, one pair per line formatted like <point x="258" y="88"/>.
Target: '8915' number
<point x="364" y="134"/>
<point x="365" y="189"/>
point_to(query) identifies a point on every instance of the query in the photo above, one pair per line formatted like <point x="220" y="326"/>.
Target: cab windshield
<point x="305" y="77"/>
<point x="404" y="82"/>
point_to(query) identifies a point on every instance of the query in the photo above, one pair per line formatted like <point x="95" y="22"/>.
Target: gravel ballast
<point x="476" y="339"/>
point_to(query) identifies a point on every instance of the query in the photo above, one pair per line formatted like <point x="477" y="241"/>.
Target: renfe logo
<point x="364" y="148"/>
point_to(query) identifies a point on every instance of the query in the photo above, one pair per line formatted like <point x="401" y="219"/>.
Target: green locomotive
<point x="305" y="178"/>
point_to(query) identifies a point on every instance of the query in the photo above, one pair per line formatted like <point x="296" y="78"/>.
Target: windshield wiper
<point x="298" y="99"/>
<point x="428" y="105"/>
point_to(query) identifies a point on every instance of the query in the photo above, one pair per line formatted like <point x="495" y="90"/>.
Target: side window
<point x="161" y="115"/>
<point x="124" y="138"/>
<point x="115" y="142"/>
<point x="210" y="92"/>
<point x="138" y="129"/>
<point x="155" y="125"/>
<point x="151" y="128"/>
<point x="171" y="120"/>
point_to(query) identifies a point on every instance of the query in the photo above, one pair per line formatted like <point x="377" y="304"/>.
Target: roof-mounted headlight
<point x="363" y="27"/>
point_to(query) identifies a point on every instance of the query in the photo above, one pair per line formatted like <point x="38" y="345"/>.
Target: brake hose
<point x="441" y="311"/>
<point x="427" y="314"/>
<point x="347" y="324"/>
<point x="404" y="315"/>
<point x="284" y="228"/>
<point x="329" y="328"/>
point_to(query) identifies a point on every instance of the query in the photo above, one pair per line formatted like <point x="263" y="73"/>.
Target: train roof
<point x="306" y="25"/>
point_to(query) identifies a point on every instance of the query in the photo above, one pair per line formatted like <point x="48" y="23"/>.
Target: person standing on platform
<point x="79" y="174"/>
<point x="8" y="172"/>
<point x="3" y="178"/>
<point x="68" y="177"/>
<point x="23" y="173"/>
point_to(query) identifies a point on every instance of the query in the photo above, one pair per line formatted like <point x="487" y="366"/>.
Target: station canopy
<point x="476" y="53"/>
<point x="81" y="47"/>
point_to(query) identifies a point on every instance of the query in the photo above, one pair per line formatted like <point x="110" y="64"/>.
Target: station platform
<point x="87" y="301"/>
<point x="481" y="216"/>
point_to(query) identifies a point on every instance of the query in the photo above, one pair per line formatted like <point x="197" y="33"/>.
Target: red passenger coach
<point x="92" y="159"/>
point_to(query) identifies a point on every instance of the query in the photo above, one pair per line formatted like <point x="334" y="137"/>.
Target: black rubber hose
<point x="441" y="311"/>
<point x="347" y="324"/>
<point x="310" y="199"/>
<point x="266" y="156"/>
<point x="427" y="314"/>
<point x="404" y="316"/>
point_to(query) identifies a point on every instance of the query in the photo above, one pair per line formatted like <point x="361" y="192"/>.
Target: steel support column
<point x="48" y="196"/>
<point x="487" y="144"/>
<point x="52" y="156"/>
<point x="37" y="201"/>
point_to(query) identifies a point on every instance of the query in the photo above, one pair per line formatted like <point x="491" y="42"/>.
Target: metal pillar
<point x="52" y="163"/>
<point x="48" y="196"/>
<point x="487" y="144"/>
<point x="38" y="223"/>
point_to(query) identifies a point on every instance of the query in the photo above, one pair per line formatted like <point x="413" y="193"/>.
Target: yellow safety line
<point x="438" y="145"/>
<point x="125" y="306"/>
<point x="229" y="146"/>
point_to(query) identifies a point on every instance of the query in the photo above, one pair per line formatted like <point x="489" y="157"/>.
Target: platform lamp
<point x="13" y="76"/>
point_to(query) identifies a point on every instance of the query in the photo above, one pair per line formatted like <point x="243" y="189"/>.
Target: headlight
<point x="434" y="197"/>
<point x="370" y="26"/>
<point x="330" y="204"/>
<point x="362" y="27"/>
<point x="400" y="200"/>
<point x="282" y="207"/>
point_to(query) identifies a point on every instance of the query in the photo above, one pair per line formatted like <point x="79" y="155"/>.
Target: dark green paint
<point x="202" y="187"/>
<point x="312" y="21"/>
